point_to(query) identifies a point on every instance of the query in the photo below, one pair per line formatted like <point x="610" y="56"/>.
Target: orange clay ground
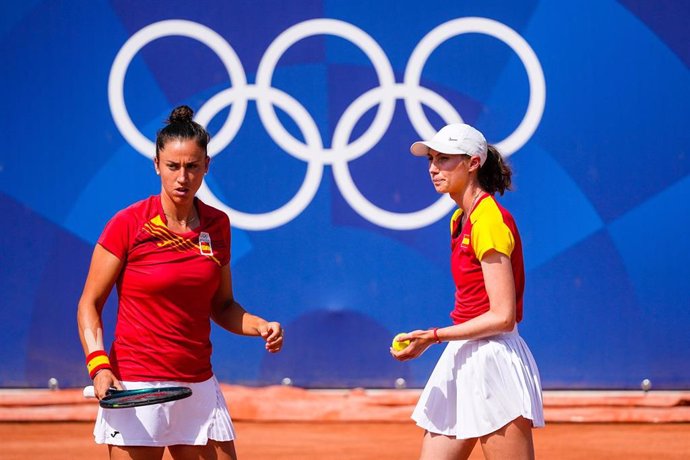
<point x="291" y="423"/>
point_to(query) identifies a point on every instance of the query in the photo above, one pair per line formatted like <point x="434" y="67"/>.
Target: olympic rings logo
<point x="312" y="151"/>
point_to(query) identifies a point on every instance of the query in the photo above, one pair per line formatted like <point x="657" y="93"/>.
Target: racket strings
<point x="143" y="397"/>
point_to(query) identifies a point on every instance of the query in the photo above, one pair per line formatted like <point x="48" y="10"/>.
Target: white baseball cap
<point x="454" y="139"/>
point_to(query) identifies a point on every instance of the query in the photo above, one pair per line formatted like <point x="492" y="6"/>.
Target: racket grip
<point x="89" y="392"/>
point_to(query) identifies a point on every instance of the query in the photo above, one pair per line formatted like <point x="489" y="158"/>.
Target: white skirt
<point x="190" y="421"/>
<point x="479" y="386"/>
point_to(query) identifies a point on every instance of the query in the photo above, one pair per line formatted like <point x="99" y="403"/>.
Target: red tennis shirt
<point x="165" y="291"/>
<point x="490" y="226"/>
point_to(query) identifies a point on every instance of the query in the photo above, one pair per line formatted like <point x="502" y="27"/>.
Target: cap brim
<point x="421" y="148"/>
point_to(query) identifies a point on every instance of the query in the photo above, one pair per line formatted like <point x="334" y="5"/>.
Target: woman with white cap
<point x="486" y="384"/>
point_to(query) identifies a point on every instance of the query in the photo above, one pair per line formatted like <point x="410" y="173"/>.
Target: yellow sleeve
<point x="489" y="231"/>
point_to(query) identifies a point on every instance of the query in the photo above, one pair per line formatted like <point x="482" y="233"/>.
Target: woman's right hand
<point x="419" y="341"/>
<point x="104" y="381"/>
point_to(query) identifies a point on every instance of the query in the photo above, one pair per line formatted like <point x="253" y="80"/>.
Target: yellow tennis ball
<point x="398" y="346"/>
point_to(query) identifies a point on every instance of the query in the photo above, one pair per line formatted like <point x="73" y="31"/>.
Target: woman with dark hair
<point x="485" y="385"/>
<point x="169" y="256"/>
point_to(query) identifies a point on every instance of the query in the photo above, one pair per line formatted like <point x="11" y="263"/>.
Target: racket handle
<point x="89" y="392"/>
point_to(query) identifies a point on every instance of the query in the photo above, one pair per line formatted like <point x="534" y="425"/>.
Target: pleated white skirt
<point x="191" y="421"/>
<point x="479" y="386"/>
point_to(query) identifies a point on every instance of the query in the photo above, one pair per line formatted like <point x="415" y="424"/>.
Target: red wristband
<point x="93" y="354"/>
<point x="97" y="361"/>
<point x="436" y="335"/>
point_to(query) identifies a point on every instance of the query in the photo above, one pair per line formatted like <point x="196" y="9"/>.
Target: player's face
<point x="449" y="173"/>
<point x="181" y="165"/>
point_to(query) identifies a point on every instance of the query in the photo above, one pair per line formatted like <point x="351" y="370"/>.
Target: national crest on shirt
<point x="205" y="244"/>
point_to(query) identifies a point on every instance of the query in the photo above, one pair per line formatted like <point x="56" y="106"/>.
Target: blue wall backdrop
<point x="337" y="231"/>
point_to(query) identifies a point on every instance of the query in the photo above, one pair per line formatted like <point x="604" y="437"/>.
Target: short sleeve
<point x="116" y="236"/>
<point x="490" y="232"/>
<point x="224" y="257"/>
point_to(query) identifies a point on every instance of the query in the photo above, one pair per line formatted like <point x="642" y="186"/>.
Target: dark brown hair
<point x="181" y="125"/>
<point x="494" y="175"/>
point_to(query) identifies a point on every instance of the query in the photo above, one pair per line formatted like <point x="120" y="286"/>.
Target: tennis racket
<point x="121" y="399"/>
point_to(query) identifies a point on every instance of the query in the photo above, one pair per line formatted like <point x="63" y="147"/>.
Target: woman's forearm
<point x="234" y="318"/>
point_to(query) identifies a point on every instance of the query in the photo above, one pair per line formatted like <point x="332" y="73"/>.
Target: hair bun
<point x="181" y="114"/>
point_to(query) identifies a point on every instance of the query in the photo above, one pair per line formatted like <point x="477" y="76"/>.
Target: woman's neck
<point x="469" y="198"/>
<point x="183" y="213"/>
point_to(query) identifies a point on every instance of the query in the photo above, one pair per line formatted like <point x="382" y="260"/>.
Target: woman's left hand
<point x="272" y="333"/>
<point x="419" y="342"/>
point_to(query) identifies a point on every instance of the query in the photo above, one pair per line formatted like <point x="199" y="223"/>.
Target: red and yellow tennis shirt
<point x="165" y="291"/>
<point x="490" y="227"/>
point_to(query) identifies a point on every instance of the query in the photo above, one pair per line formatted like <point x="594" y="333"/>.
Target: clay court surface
<point x="291" y="423"/>
<point x="363" y="441"/>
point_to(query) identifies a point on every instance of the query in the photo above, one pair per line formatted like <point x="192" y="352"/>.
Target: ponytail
<point x="494" y="175"/>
